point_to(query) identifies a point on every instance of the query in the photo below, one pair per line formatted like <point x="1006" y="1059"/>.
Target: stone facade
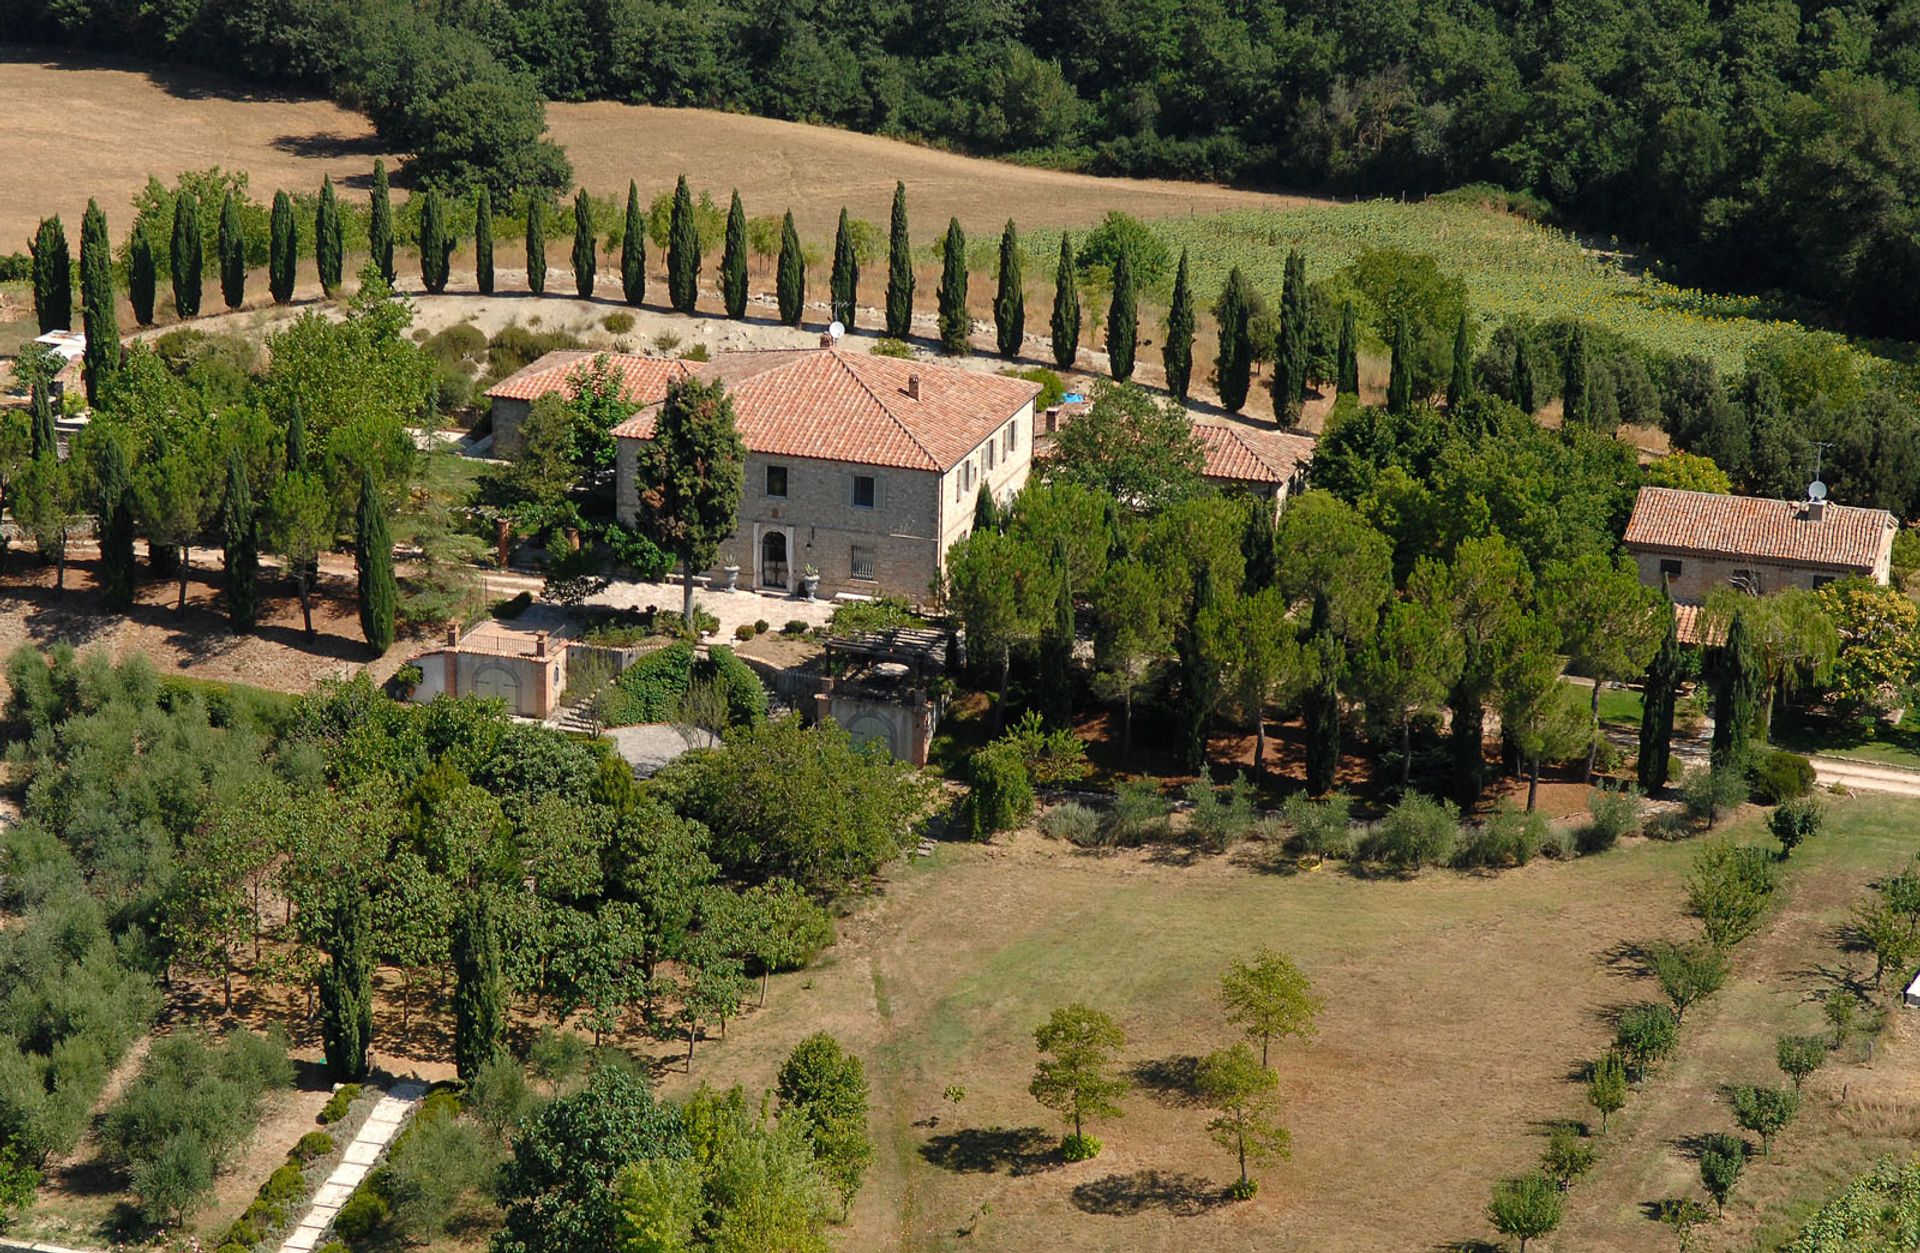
<point x="1691" y="575"/>
<point x="508" y="415"/>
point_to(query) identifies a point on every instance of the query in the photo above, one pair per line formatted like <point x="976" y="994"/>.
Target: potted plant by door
<point x="810" y="581"/>
<point x="732" y="570"/>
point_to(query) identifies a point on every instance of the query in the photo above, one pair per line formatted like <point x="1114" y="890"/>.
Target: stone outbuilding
<point x="522" y="662"/>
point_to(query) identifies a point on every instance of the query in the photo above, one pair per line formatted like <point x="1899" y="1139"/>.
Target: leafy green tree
<point x="1523" y="386"/>
<point x="1269" y="997"/>
<point x="346" y="985"/>
<point x="45" y="501"/>
<point x="1722" y="1158"/>
<point x="1568" y="1156"/>
<point x="380" y="222"/>
<point x="1460" y="381"/>
<point x="1407" y="667"/>
<point x="115" y="514"/>
<point x="1123" y="322"/>
<point x="173" y="498"/>
<point x="1728" y="889"/>
<point x="692" y="474"/>
<point x="1794" y="822"/>
<point x="1075" y="1075"/>
<point x="1260" y="659"/>
<point x="537" y="243"/>
<point x="1010" y="299"/>
<point x="1526" y="1207"/>
<point x="791" y="278"/>
<point x="483" y="241"/>
<point x="98" y="315"/>
<point x="956" y="321"/>
<point x="142" y="276"/>
<point x="899" y="269"/>
<point x="1764" y="1111"/>
<point x="733" y="262"/>
<point x="1132" y="448"/>
<point x="1607" y="1088"/>
<point x="1659" y="697"/>
<point x="52" y="266"/>
<point x="19" y="1183"/>
<point x="373" y="559"/>
<point x="283" y="249"/>
<point x="1688" y="973"/>
<point x="329" y="238"/>
<point x="683" y="252"/>
<point x="1320" y="701"/>
<point x="999" y="587"/>
<point x="1134" y="611"/>
<point x="299" y="528"/>
<point x="1247" y="1096"/>
<point x="1609" y="623"/>
<point x="633" y="249"/>
<point x="1799" y="1056"/>
<point x="480" y="992"/>
<point x="241" y="554"/>
<point x="186" y="255"/>
<point x="1879" y="654"/>
<point x="1485" y="589"/>
<point x="843" y="284"/>
<point x="1177" y="352"/>
<point x="1056" y="645"/>
<point x="585" y="256"/>
<point x="1644" y="1035"/>
<point x="1065" y="322"/>
<point x="825" y="1088"/>
<point x="1233" y="364"/>
<point x="436" y="242"/>
<point x="1400" y="372"/>
<point x="1347" y="358"/>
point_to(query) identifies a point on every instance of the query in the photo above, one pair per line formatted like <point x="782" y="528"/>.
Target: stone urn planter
<point x="809" y="583"/>
<point x="733" y="577"/>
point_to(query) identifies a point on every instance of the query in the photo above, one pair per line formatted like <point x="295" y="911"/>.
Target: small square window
<point x="989" y="456"/>
<point x="863" y="491"/>
<point x="776" y="480"/>
<point x="1013" y="436"/>
<point x="1821" y="580"/>
<point x="1670" y="567"/>
<point x="862" y="562"/>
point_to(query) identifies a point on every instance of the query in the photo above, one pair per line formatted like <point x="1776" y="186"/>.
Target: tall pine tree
<point x="142" y="276"/>
<point x="633" y="249"/>
<point x="188" y="255"/>
<point x="436" y="243"/>
<point x="1197" y="670"/>
<point x="1660" y="694"/>
<point x="1348" y="365"/>
<point x="683" y="252"/>
<point x="240" y="557"/>
<point x="586" y="263"/>
<point x="232" y="250"/>
<point x="373" y="558"/>
<point x="1065" y="326"/>
<point x="844" y="284"/>
<point x="329" y="238"/>
<point x="986" y="510"/>
<point x="1400" y="371"/>
<point x="52" y="265"/>
<point x="1460" y="381"/>
<point x="97" y="310"/>
<point x="346" y="985"/>
<point x="1736" y="685"/>
<point x="733" y="262"/>
<point x="1290" y="346"/>
<point x="1056" y="646"/>
<point x="1176" y="355"/>
<point x="1010" y="300"/>
<point x="380" y="223"/>
<point x="790" y="283"/>
<point x="1523" y="388"/>
<point x="956" y="321"/>
<point x="1123" y="320"/>
<point x="479" y="991"/>
<point x="899" y="269"/>
<point x="1320" y="704"/>
<point x="1233" y="366"/>
<point x="537" y="243"/>
<point x="45" y="434"/>
<point x="282" y="249"/>
<point x="483" y="241"/>
<point x="1576" y="401"/>
<point x="116" y="524"/>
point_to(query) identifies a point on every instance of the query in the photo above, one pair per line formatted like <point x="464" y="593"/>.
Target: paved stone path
<point x="382" y="1125"/>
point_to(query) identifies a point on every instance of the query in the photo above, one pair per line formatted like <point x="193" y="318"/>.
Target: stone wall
<point x="1699" y="575"/>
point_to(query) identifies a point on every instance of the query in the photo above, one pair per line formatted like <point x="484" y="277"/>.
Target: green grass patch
<point x="1620" y="704"/>
<point x="1832" y="737"/>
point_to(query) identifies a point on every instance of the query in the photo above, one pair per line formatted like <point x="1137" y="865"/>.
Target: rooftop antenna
<point x="835" y="330"/>
<point x="1817" y="490"/>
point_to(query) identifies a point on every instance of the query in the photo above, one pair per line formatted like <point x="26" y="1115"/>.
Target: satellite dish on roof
<point x="835" y="331"/>
<point x="1816" y="490"/>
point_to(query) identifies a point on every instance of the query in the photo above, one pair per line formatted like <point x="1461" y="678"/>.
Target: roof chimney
<point x="913" y="386"/>
<point x="539" y="643"/>
<point x="826" y="339"/>
<point x="453" y="634"/>
<point x="1815" y="508"/>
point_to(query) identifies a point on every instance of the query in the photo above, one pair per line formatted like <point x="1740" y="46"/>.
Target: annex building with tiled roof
<point x="864" y="468"/>
<point x="1267" y="462"/>
<point x="1694" y="542"/>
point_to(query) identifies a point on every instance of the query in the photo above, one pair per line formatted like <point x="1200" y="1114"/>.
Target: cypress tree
<point x="52" y="266"/>
<point x="733" y="262"/>
<point x="1576" y="405"/>
<point x="899" y="269"/>
<point x="1523" y="391"/>
<point x="1198" y="670"/>
<point x="232" y="250"/>
<point x="241" y="555"/>
<point x="1010" y="301"/>
<point x="1736" y="697"/>
<point x="188" y="254"/>
<point x="346" y="986"/>
<point x="1233" y="367"/>
<point x="1657" y="707"/>
<point x="986" y="510"/>
<point x="282" y="250"/>
<point x="537" y="243"/>
<point x="373" y="557"/>
<point x="329" y="241"/>
<point x="1400" y="371"/>
<point x="479" y="992"/>
<point x="1177" y="353"/>
<point x="116" y="525"/>
<point x="142" y="278"/>
<point x="483" y="241"/>
<point x="101" y="319"/>
<point x="791" y="280"/>
<point x="585" y="262"/>
<point x="1290" y="350"/>
<point x="436" y="243"/>
<point x="956" y="322"/>
<point x="844" y="284"/>
<point x="1123" y="321"/>
<point x="1066" y="307"/>
<point x="1348" y="366"/>
<point x="380" y="223"/>
<point x="296" y="438"/>
<point x="1320" y="704"/>
<point x="633" y="249"/>
<point x="683" y="252"/>
<point x="1460" y="382"/>
<point x="1056" y="646"/>
<point x="1260" y="545"/>
<point x="46" y="435"/>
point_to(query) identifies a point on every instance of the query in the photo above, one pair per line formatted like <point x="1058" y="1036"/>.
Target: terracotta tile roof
<point x="1689" y="624"/>
<point x="1711" y="524"/>
<point x="645" y="378"/>
<point x="1247" y="454"/>
<point x="852" y="407"/>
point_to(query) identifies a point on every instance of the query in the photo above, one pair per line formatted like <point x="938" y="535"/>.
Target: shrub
<point x="1080" y="1148"/>
<point x="650" y="689"/>
<point x="1779" y="775"/>
<point x="746" y="695"/>
<point x="336" y="1107"/>
<point x="1070" y="821"/>
<point x="242" y="1235"/>
<point x="437" y="1163"/>
<point x="1001" y="797"/>
<point x="1220" y="818"/>
<point x="1568" y="1156"/>
<point x="1509" y="837"/>
<point x="697" y="353"/>
<point x="795" y="626"/>
<point x="1616" y="812"/>
<point x="1795" y="822"/>
<point x="1322" y="828"/>
<point x="365" y="1212"/>
<point x="1052" y="389"/>
<point x="744" y="631"/>
<point x="1419" y="831"/>
<point x="890" y="348"/>
<point x="1706" y="794"/>
<point x="1645" y="1034"/>
<point x="285" y="1184"/>
<point x="760" y="626"/>
<point x="1559" y="844"/>
<point x="1139" y="815"/>
<point x="878" y="614"/>
<point x="1668" y="825"/>
<point x="618" y="323"/>
<point x="1728" y="890"/>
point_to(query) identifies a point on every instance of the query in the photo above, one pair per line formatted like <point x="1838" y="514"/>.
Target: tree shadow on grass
<point x="991" y="1150"/>
<point x="1170" y="1080"/>
<point x="1122" y="1196"/>
<point x="1469" y="1246"/>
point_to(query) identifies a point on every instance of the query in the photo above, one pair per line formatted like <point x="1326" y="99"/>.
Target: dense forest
<point x="1759" y="145"/>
